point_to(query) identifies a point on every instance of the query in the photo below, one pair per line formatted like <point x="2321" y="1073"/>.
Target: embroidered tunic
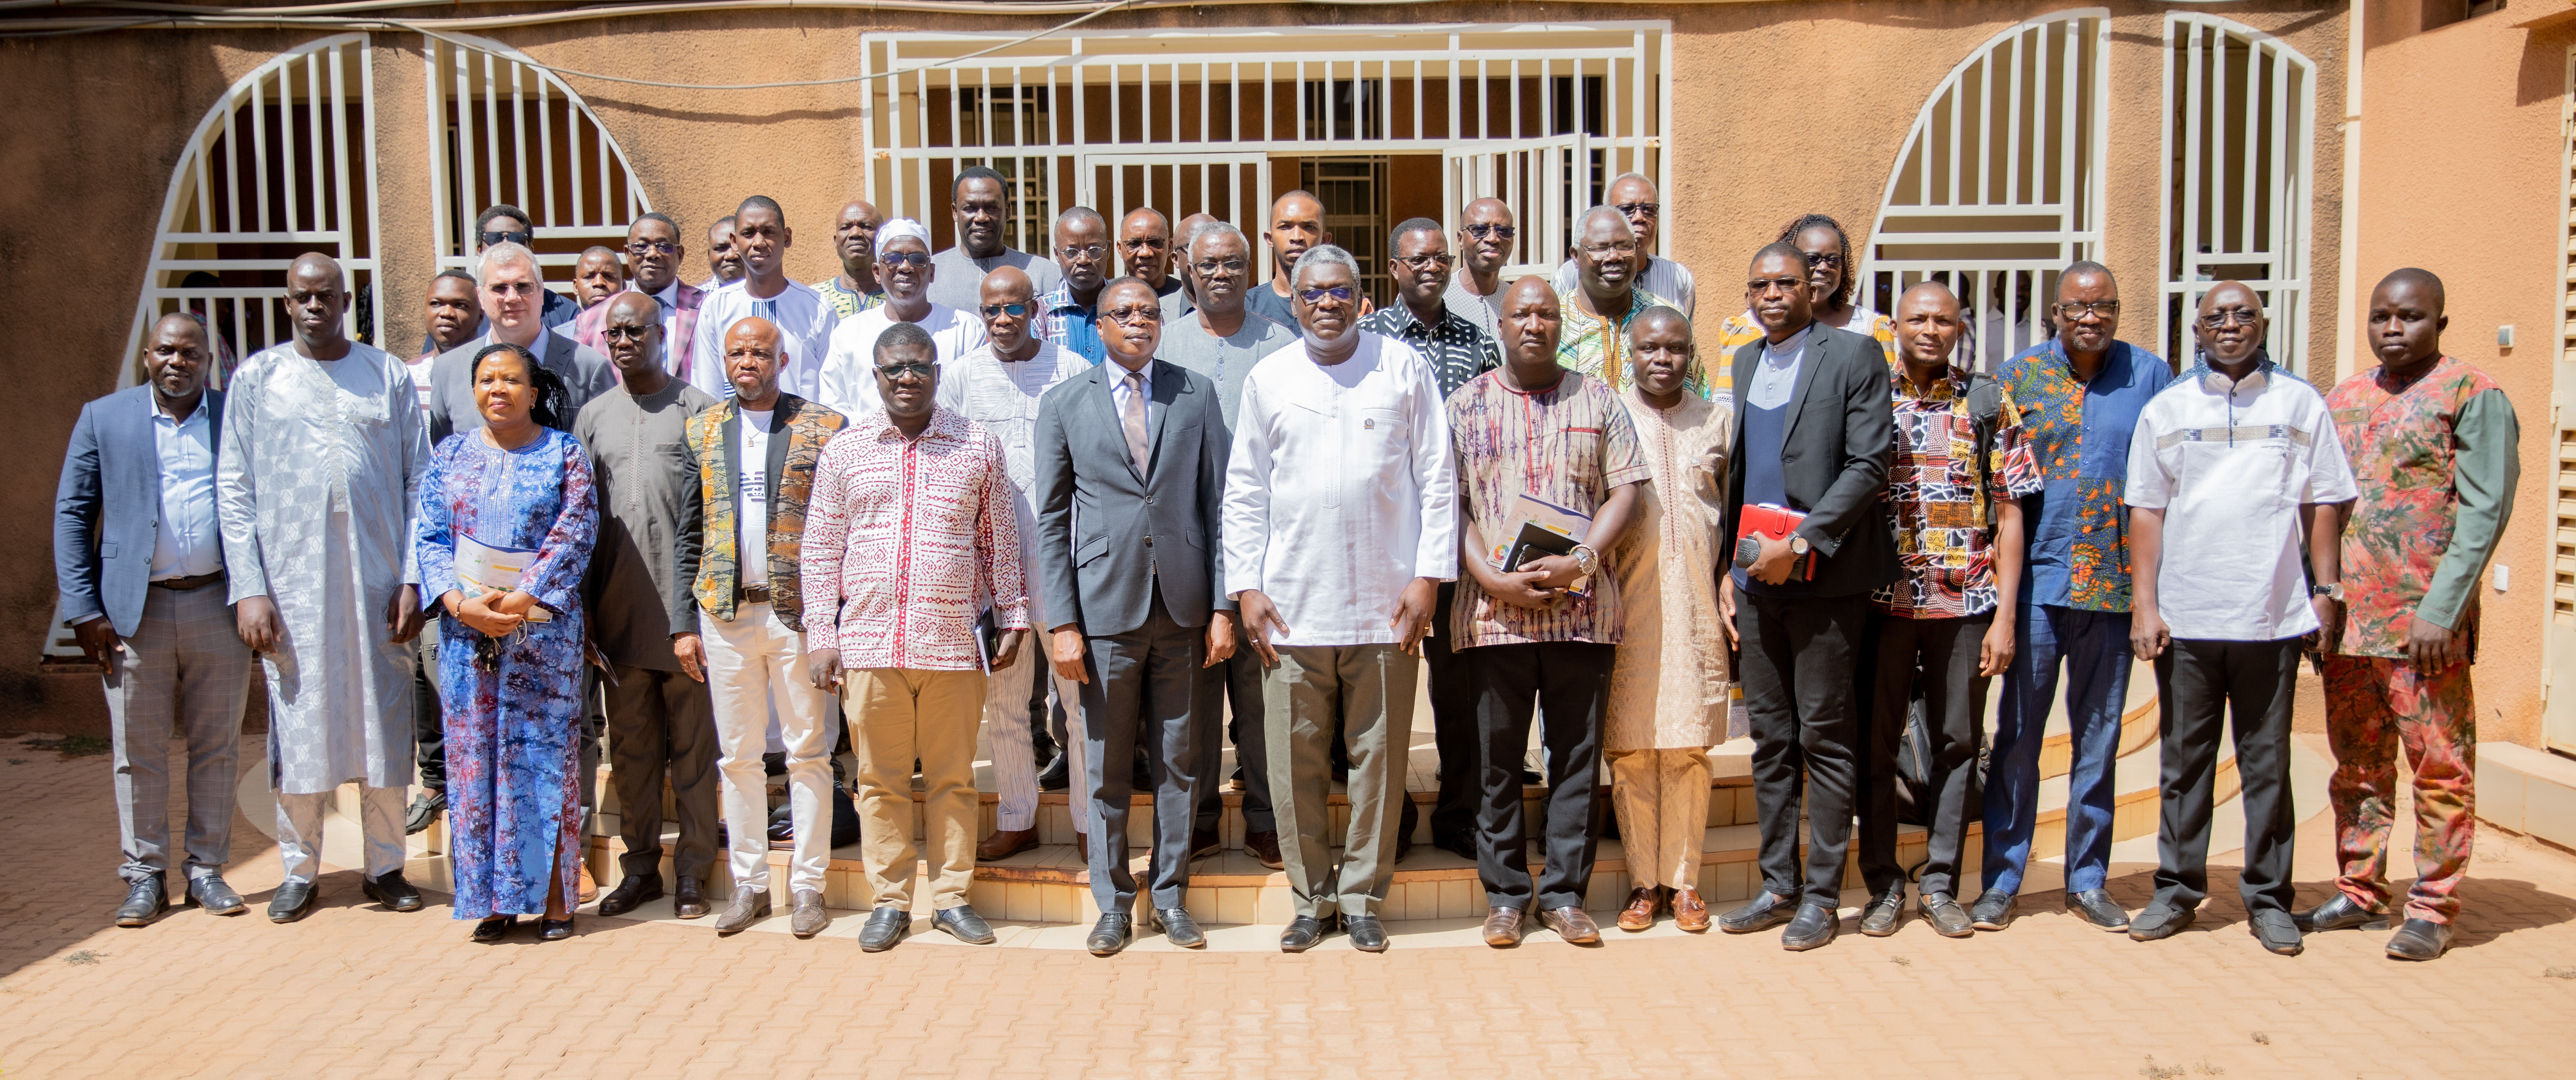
<point x="1668" y="687"/>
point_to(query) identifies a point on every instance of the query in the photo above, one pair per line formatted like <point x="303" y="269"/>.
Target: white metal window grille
<point x="2558" y="640"/>
<point x="1542" y="115"/>
<point x="2240" y="116"/>
<point x="503" y="130"/>
<point x="283" y="165"/>
<point x="2000" y="183"/>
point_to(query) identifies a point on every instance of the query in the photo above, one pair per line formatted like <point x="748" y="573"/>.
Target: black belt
<point x="755" y="594"/>
<point x="189" y="584"/>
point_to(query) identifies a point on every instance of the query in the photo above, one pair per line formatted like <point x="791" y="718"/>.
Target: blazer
<point x="107" y="510"/>
<point x="1834" y="452"/>
<point x="1105" y="532"/>
<point x="676" y="345"/>
<point x="795" y="445"/>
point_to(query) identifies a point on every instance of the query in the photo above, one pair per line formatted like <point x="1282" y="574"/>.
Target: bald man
<point x="1296" y="225"/>
<point x="1068" y="314"/>
<point x="854" y="241"/>
<point x="1487" y="237"/>
<point x="2414" y="545"/>
<point x="1635" y="198"/>
<point x="1145" y="249"/>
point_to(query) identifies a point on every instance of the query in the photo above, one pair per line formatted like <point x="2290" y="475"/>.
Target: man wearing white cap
<point x="849" y="383"/>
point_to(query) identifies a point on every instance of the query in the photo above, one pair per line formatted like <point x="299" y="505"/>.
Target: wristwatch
<point x="1798" y="545"/>
<point x="2332" y="590"/>
<point x="1585" y="559"/>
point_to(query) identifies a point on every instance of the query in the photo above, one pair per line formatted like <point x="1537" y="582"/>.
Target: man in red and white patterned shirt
<point x="909" y="534"/>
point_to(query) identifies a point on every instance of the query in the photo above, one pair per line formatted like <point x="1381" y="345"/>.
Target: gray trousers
<point x="184" y="672"/>
<point x="299" y="830"/>
<point x="1368" y="689"/>
<point x="1145" y="683"/>
<point x="663" y="722"/>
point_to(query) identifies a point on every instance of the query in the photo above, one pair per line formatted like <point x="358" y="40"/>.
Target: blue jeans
<point x="2094" y="647"/>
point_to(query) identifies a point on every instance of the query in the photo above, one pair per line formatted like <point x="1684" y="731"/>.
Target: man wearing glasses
<point x="803" y="321"/>
<point x="502" y="223"/>
<point x="1607" y="297"/>
<point x="848" y="384"/>
<point x="1145" y="249"/>
<point x="1066" y="313"/>
<point x="854" y="240"/>
<point x="1635" y="198"/>
<point x="979" y="205"/>
<point x="1486" y="240"/>
<point x="653" y="252"/>
<point x="2080" y="393"/>
<point x="510" y="288"/>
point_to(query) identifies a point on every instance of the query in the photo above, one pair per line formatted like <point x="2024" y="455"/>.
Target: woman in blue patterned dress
<point x="511" y="665"/>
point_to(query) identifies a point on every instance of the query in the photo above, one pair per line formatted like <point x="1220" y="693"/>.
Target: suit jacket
<point x="584" y="372"/>
<point x="1834" y="451"/>
<point x="107" y="510"/>
<point x="1101" y="526"/>
<point x="676" y="345"/>
<point x="801" y="428"/>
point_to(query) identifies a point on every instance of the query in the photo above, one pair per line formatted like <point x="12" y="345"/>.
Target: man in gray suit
<point x="1131" y="459"/>
<point x="140" y="561"/>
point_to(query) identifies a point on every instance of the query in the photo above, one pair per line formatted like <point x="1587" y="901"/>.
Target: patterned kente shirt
<point x="903" y="538"/>
<point x="1457" y="349"/>
<point x="1598" y="347"/>
<point x="1569" y="445"/>
<point x="1941" y="492"/>
<point x="843" y="302"/>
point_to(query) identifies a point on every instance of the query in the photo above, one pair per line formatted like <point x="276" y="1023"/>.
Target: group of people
<point x="872" y="511"/>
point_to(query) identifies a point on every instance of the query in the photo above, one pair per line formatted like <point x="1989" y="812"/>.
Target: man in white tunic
<point x="323" y="445"/>
<point x="848" y="380"/>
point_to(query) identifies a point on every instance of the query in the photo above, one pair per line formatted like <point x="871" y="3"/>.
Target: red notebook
<point x="1764" y="521"/>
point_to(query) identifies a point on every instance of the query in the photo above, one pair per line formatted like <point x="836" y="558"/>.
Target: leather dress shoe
<point x="1303" y="932"/>
<point x="423" y="811"/>
<point x="1643" y="902"/>
<point x="2277" y="931"/>
<point x="2160" y="921"/>
<point x="1571" y="924"/>
<point x="585" y="887"/>
<point x="748" y="906"/>
<point x="884" y="929"/>
<point x="1503" y="927"/>
<point x="1760" y="913"/>
<point x="145" y="900"/>
<point x="1367" y="933"/>
<point x="1690" y="913"/>
<point x="392" y="891"/>
<point x="1058" y="775"/>
<point x="2096" y="907"/>
<point x="631" y="894"/>
<point x="2420" y="939"/>
<point x="293" y="900"/>
<point x="1948" y="919"/>
<point x="962" y="923"/>
<point x="1205" y="842"/>
<point x="1993" y="910"/>
<point x="1814" y="927"/>
<point x="1463" y="847"/>
<point x="210" y="892"/>
<point x="689" y="901"/>
<point x="2340" y="913"/>
<point x="1263" y="846"/>
<point x="805" y="914"/>
<point x="1111" y="934"/>
<point x="1005" y="843"/>
<point x="491" y="931"/>
<point x="1884" y="913"/>
<point x="1179" y="928"/>
<point x="554" y="929"/>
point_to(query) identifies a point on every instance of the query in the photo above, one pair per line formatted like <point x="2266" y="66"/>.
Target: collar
<point x="1784" y="353"/>
<point x="1952" y="385"/>
<point x="2217" y="382"/>
<point x="1060" y="298"/>
<point x="669" y="297"/>
<point x="943" y="425"/>
<point x="1406" y="322"/>
<point x="161" y="415"/>
<point x="1116" y="373"/>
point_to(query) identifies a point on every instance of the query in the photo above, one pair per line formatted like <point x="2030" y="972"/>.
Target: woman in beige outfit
<point x="1669" y="685"/>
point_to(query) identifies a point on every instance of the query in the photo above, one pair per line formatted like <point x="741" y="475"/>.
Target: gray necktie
<point x="1131" y="416"/>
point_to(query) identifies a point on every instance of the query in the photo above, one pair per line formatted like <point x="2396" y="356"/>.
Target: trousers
<point x="2374" y="706"/>
<point x="1453" y="734"/>
<point x="662" y="723"/>
<point x="2248" y="685"/>
<point x="754" y="662"/>
<point x="898" y="716"/>
<point x="1799" y="656"/>
<point x="1245" y="678"/>
<point x="184" y="673"/>
<point x="1941" y="656"/>
<point x="2092" y="647"/>
<point x="1145" y="683"/>
<point x="1569" y="681"/>
<point x="1368" y="690"/>
<point x="299" y="830"/>
<point x="1012" y="699"/>
<point x="1662" y="800"/>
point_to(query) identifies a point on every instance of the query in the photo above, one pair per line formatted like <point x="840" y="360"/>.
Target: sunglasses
<point x="2231" y="317"/>
<point x="918" y="368"/>
<point x="1015" y="311"/>
<point x="1134" y="314"/>
<point x="641" y="248"/>
<point x="1638" y="209"/>
<point x="1316" y="296"/>
<point x="625" y="333"/>
<point x="1492" y="232"/>
<point x="904" y="258"/>
<point x="522" y="239"/>
<point x="1785" y="284"/>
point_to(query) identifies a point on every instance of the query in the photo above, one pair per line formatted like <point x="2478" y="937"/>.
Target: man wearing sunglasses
<point x="1145" y="250"/>
<point x="509" y="286"/>
<point x="502" y="223"/>
<point x="904" y="268"/>
<point x="1635" y="198"/>
<point x="653" y="251"/>
<point x="804" y="322"/>
<point x="1487" y="237"/>
<point x="980" y="205"/>
<point x="1067" y="314"/>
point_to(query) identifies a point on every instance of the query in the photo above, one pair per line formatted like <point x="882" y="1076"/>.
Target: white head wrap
<point x="899" y="228"/>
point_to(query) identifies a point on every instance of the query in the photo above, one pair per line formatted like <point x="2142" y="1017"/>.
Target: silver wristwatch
<point x="1585" y="559"/>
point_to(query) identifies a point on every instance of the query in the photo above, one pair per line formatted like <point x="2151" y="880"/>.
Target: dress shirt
<point x="804" y="324"/>
<point x="1458" y="351"/>
<point x="1342" y="489"/>
<point x="2078" y="530"/>
<point x="1663" y="277"/>
<point x="848" y="385"/>
<point x="1942" y="483"/>
<point x="1119" y="393"/>
<point x="669" y="301"/>
<point x="903" y="537"/>
<point x="1777" y="378"/>
<point x="1071" y="323"/>
<point x="188" y="544"/>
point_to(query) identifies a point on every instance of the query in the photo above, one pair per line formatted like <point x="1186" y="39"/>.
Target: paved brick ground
<point x="356" y="991"/>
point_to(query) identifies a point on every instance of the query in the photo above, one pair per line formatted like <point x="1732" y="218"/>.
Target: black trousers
<point x="2252" y="684"/>
<point x="1939" y="655"/>
<point x="1238" y="682"/>
<point x="663" y="723"/>
<point x="428" y="720"/>
<point x="1799" y="655"/>
<point x="1570" y="681"/>
<point x="1144" y="683"/>
<point x="1453" y="731"/>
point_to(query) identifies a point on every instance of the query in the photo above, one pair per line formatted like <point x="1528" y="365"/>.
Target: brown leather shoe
<point x="1503" y="927"/>
<point x="1689" y="912"/>
<point x="1082" y="846"/>
<point x="589" y="890"/>
<point x="689" y="901"/>
<point x="1264" y="846"/>
<point x="1571" y="924"/>
<point x="1205" y="842"/>
<point x="1005" y="843"/>
<point x="1643" y="902"/>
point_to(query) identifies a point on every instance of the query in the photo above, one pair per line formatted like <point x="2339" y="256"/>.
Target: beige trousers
<point x="897" y="715"/>
<point x="1662" y="800"/>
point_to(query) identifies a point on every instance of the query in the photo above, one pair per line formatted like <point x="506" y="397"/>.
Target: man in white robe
<point x="322" y="454"/>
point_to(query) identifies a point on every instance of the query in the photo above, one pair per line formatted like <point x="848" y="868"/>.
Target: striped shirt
<point x="1569" y="445"/>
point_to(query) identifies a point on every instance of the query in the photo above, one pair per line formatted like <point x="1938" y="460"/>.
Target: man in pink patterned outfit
<point x="2433" y="445"/>
<point x="909" y="533"/>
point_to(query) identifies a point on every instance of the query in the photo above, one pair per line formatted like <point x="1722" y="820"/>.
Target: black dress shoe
<point x="1948" y="919"/>
<point x="2420" y="939"/>
<point x="1179" y="928"/>
<point x="1111" y="934"/>
<point x="1367" y="934"/>
<point x="1993" y="910"/>
<point x="491" y="931"/>
<point x="424" y="810"/>
<point x="1205" y="842"/>
<point x="689" y="901"/>
<point x="392" y="891"/>
<point x="2096" y="907"/>
<point x="1057" y="776"/>
<point x="884" y="929"/>
<point x="144" y="902"/>
<point x="631" y="894"/>
<point x="210" y="892"/>
<point x="962" y="923"/>
<point x="554" y="929"/>
<point x="294" y="900"/>
<point x="1303" y="932"/>
<point x="2160" y="921"/>
<point x="1814" y="927"/>
<point x="2340" y="913"/>
<point x="2278" y="933"/>
<point x="1761" y="913"/>
<point x="1884" y="913"/>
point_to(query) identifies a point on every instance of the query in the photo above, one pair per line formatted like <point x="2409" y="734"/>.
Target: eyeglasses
<point x="1145" y="243"/>
<point x="1783" y="284"/>
<point x="1492" y="232"/>
<point x="1214" y="266"/>
<point x="522" y="238"/>
<point x="626" y="333"/>
<point x="641" y="248"/>
<point x="1598" y="250"/>
<point x="521" y="288"/>
<point x="2100" y="309"/>
<point x="1134" y="314"/>
<point x="904" y="258"/>
<point x="914" y="368"/>
<point x="1639" y="209"/>
<point x="1090" y="251"/>
<point x="2231" y="317"/>
<point x="1825" y="258"/>
<point x="1438" y="260"/>
<point x="1316" y="296"/>
<point x="1016" y="311"/>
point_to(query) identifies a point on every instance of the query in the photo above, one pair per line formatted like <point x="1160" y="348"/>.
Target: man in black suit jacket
<point x="139" y="558"/>
<point x="1131" y="460"/>
<point x="1813" y="434"/>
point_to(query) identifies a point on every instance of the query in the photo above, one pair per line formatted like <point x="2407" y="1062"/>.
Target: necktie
<point x="1132" y="417"/>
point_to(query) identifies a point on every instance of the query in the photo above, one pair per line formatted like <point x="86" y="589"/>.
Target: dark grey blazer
<point x="1834" y="454"/>
<point x="1099" y="523"/>
<point x="107" y="510"/>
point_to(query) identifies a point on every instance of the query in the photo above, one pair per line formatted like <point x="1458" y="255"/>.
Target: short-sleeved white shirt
<point x="2230" y="465"/>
